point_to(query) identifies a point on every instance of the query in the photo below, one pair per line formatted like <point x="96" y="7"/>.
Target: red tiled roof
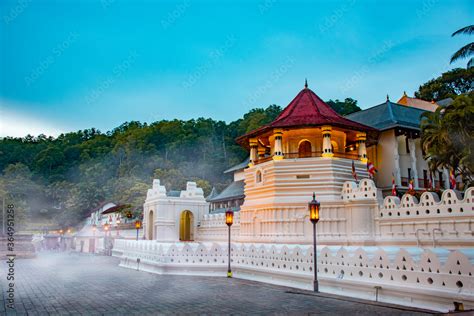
<point x="307" y="109"/>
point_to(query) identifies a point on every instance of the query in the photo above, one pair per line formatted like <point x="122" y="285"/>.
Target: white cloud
<point x="19" y="124"/>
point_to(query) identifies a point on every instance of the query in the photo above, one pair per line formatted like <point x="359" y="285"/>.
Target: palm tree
<point x="466" y="51"/>
<point x="447" y="139"/>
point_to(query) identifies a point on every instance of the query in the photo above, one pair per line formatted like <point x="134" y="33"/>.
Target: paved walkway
<point x="75" y="284"/>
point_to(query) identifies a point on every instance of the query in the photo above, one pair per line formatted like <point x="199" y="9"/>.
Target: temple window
<point x="258" y="177"/>
<point x="304" y="149"/>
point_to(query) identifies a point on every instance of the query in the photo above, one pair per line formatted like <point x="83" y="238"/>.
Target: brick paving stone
<point x="77" y="284"/>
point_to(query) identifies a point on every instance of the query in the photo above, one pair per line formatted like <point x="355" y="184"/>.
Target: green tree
<point x="467" y="50"/>
<point x="17" y="187"/>
<point x="447" y="137"/>
<point x="450" y="84"/>
<point x="345" y="107"/>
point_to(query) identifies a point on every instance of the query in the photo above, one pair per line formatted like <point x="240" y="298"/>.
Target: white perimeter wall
<point x="426" y="278"/>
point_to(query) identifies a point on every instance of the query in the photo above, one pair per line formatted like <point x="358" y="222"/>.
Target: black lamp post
<point x="138" y="225"/>
<point x="313" y="207"/>
<point x="229" y="219"/>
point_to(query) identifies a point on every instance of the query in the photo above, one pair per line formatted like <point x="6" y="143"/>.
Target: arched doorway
<point x="150" y="226"/>
<point x="186" y="224"/>
<point x="304" y="149"/>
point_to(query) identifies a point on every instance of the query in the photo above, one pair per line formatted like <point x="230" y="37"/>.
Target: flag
<point x="371" y="169"/>
<point x="452" y="180"/>
<point x="354" y="174"/>
<point x="394" y="186"/>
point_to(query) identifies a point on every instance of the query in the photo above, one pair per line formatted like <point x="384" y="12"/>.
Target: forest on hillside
<point x="60" y="180"/>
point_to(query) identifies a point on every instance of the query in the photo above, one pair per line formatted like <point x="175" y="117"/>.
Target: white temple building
<point x="397" y="250"/>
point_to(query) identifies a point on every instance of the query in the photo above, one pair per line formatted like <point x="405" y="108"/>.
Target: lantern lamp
<point x="313" y="207"/>
<point x="138" y="224"/>
<point x="229" y="217"/>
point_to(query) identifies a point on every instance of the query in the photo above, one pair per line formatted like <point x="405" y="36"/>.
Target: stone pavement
<point x="81" y="284"/>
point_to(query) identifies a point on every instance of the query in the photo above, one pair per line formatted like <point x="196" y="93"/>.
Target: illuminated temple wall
<point x="277" y="195"/>
<point x="417" y="253"/>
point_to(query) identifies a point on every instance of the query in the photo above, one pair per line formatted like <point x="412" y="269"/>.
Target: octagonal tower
<point x="307" y="148"/>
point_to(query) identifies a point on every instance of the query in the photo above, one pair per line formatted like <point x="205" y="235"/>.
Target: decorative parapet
<point x="365" y="190"/>
<point x="432" y="221"/>
<point x="192" y="191"/>
<point x="431" y="279"/>
<point x="157" y="191"/>
<point x="429" y="206"/>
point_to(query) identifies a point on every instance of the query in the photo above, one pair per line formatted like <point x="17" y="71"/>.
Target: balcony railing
<point x="353" y="156"/>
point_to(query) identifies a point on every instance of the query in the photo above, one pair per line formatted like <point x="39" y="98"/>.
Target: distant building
<point x="398" y="151"/>
<point x="418" y="103"/>
<point x="232" y="197"/>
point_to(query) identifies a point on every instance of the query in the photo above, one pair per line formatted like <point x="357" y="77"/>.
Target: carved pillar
<point x="412" y="148"/>
<point x="327" y="148"/>
<point x="278" y="149"/>
<point x="253" y="151"/>
<point x="361" y="138"/>
<point x="396" y="164"/>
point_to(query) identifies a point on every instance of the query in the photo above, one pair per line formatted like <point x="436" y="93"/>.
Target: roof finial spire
<point x="306" y="83"/>
<point x="388" y="98"/>
<point x="404" y="93"/>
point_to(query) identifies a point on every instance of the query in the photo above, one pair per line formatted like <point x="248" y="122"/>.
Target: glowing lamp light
<point x="106" y="227"/>
<point x="117" y="221"/>
<point x="229" y="217"/>
<point x="313" y="207"/>
<point x="61" y="231"/>
<point x="138" y="224"/>
<point x="94" y="227"/>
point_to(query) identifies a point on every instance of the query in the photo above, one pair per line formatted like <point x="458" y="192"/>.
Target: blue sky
<point x="69" y="65"/>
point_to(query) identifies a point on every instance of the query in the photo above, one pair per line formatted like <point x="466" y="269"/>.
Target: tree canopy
<point x="449" y="85"/>
<point x="345" y="107"/>
<point x="61" y="180"/>
<point x="447" y="137"/>
<point x="68" y="176"/>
